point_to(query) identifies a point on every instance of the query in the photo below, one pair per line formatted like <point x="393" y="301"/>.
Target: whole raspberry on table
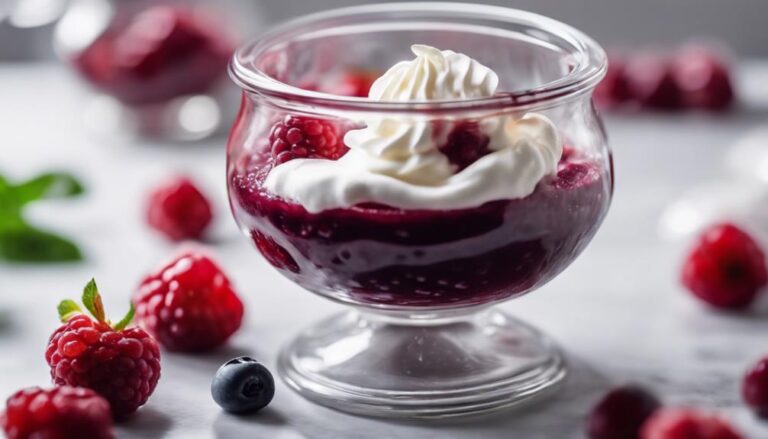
<point x="188" y="304"/>
<point x="60" y="413"/>
<point x="703" y="78"/>
<point x="613" y="91"/>
<point x="303" y="137"/>
<point x="621" y="413"/>
<point x="726" y="268"/>
<point x="652" y="83"/>
<point x="754" y="388"/>
<point x="119" y="363"/>
<point x="681" y="423"/>
<point x="179" y="209"/>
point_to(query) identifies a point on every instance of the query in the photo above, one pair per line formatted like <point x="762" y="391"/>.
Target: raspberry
<point x="465" y="145"/>
<point x="755" y="388"/>
<point x="726" y="269"/>
<point x="572" y="175"/>
<point x="122" y="365"/>
<point x="687" y="424"/>
<point x="179" y="210"/>
<point x="59" y="413"/>
<point x="276" y="255"/>
<point x="652" y="84"/>
<point x="621" y="413"/>
<point x="188" y="304"/>
<point x="613" y="90"/>
<point x="703" y="79"/>
<point x="302" y="137"/>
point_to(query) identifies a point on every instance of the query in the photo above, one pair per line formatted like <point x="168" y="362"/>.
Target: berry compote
<point x="386" y="256"/>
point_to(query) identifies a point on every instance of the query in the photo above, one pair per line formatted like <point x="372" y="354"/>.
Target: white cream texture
<point x="396" y="161"/>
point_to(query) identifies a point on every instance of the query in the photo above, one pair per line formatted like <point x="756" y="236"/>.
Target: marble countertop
<point x="618" y="311"/>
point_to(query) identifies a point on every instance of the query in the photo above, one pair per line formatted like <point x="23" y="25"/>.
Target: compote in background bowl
<point x="158" y="68"/>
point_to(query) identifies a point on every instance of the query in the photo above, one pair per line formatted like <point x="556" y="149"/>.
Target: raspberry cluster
<point x="696" y="77"/>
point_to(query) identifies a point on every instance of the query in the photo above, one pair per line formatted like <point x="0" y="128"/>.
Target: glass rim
<point x="589" y="69"/>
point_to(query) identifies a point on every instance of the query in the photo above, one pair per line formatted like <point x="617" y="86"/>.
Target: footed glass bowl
<point x="421" y="339"/>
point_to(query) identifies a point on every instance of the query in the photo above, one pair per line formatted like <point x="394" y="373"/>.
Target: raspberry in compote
<point x="465" y="144"/>
<point x="303" y="137"/>
<point x="354" y="83"/>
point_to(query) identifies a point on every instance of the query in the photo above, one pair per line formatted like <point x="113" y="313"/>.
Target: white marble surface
<point x="618" y="310"/>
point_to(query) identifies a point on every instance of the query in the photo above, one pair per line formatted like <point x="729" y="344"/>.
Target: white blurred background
<point x="25" y="25"/>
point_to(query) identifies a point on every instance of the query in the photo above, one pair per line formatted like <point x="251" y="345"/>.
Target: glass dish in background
<point x="158" y="67"/>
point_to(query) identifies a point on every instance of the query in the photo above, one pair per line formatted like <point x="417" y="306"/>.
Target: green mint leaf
<point x="23" y="243"/>
<point x="9" y="205"/>
<point x="122" y="324"/>
<point x="92" y="301"/>
<point x="48" y="185"/>
<point x="68" y="309"/>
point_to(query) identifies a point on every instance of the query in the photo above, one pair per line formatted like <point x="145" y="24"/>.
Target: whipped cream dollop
<point x="395" y="160"/>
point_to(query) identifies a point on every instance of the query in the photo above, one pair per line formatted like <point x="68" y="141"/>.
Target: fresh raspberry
<point x="302" y="137"/>
<point x="613" y="91"/>
<point x="754" y="388"/>
<point x="465" y="145"/>
<point x="188" y="304"/>
<point x="60" y="413"/>
<point x="651" y="82"/>
<point x="621" y="413"/>
<point x="178" y="209"/>
<point x="726" y="269"/>
<point x="275" y="254"/>
<point x="122" y="365"/>
<point x="160" y="53"/>
<point x="703" y="78"/>
<point x="687" y="424"/>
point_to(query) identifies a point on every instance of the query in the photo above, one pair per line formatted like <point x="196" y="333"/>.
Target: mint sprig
<point x="92" y="302"/>
<point x="22" y="242"/>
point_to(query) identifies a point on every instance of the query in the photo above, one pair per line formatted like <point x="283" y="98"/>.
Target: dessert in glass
<point x="475" y="171"/>
<point x="159" y="66"/>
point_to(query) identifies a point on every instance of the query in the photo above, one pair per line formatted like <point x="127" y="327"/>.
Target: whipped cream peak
<point x="397" y="161"/>
<point x="435" y="75"/>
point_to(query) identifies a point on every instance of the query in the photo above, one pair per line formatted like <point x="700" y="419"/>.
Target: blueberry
<point x="243" y="385"/>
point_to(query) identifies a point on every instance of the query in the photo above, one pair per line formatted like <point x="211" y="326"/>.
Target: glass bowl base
<point x="421" y="368"/>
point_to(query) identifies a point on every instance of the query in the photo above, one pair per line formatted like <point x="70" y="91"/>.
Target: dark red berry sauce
<point x="379" y="255"/>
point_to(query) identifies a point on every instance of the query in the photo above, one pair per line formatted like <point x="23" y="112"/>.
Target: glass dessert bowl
<point x="467" y="177"/>
<point x="159" y="66"/>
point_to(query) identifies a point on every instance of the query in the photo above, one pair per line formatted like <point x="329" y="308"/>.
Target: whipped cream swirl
<point x="396" y="160"/>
